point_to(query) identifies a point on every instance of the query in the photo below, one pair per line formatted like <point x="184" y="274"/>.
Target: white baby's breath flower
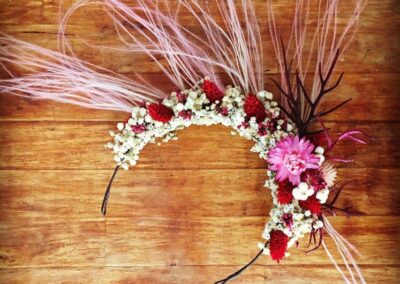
<point x="120" y="126"/>
<point x="148" y="118"/>
<point x="179" y="107"/>
<point x="302" y="191"/>
<point x="142" y="111"/>
<point x="318" y="224"/>
<point x="322" y="195"/>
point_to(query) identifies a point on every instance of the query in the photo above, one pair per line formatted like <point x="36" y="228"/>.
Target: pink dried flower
<point x="138" y="128"/>
<point x="291" y="157"/>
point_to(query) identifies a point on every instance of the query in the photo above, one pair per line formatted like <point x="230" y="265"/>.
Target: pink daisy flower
<point x="291" y="157"/>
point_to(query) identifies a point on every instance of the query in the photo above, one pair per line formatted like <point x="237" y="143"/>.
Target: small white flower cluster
<point x="302" y="191"/>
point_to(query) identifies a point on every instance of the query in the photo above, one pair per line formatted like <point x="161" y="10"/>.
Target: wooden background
<point x="193" y="210"/>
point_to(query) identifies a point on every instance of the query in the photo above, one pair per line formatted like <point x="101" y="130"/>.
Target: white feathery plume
<point x="344" y="248"/>
<point x="147" y="29"/>
<point x="54" y="76"/>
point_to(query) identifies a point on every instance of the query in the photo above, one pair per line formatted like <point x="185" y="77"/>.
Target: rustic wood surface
<point x="193" y="210"/>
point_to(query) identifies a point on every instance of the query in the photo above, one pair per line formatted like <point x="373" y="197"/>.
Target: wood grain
<point x="201" y="274"/>
<point x="193" y="210"/>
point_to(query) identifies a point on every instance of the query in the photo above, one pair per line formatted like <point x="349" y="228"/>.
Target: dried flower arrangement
<point x="300" y="175"/>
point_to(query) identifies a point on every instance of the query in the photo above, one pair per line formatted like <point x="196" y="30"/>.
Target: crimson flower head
<point x="314" y="178"/>
<point x="213" y="93"/>
<point x="284" y="194"/>
<point x="291" y="157"/>
<point x="278" y="244"/>
<point x="160" y="112"/>
<point x="253" y="107"/>
<point x="312" y="204"/>
<point x="186" y="114"/>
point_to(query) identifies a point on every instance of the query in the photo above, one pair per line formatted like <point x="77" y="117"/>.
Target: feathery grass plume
<point x="315" y="44"/>
<point x="54" y="76"/>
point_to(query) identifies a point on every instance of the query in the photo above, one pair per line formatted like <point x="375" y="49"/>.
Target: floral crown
<point x="288" y="133"/>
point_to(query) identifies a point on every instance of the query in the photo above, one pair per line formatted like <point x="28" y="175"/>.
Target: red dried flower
<point x="160" y="112"/>
<point x="254" y="107"/>
<point x="224" y="111"/>
<point x="181" y="97"/>
<point x="244" y="125"/>
<point x="264" y="128"/>
<point x="285" y="195"/>
<point x="212" y="91"/>
<point x="288" y="219"/>
<point x="278" y="244"/>
<point x="314" y="178"/>
<point x="312" y="204"/>
<point x="186" y="114"/>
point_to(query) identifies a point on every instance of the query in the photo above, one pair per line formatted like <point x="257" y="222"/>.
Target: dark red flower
<point x="138" y="128"/>
<point x="285" y="195"/>
<point x="186" y="114"/>
<point x="212" y="91"/>
<point x="314" y="178"/>
<point x="181" y="97"/>
<point x="253" y="107"/>
<point x="288" y="220"/>
<point x="224" y="111"/>
<point x="244" y="125"/>
<point x="160" y="112"/>
<point x="312" y="204"/>
<point x="264" y="128"/>
<point x="278" y="244"/>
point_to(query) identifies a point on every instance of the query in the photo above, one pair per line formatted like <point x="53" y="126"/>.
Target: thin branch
<point x="107" y="193"/>
<point x="237" y="273"/>
<point x="333" y="109"/>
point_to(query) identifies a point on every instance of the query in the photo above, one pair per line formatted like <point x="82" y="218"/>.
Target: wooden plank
<point x="257" y="274"/>
<point x="46" y="196"/>
<point x="183" y="240"/>
<point x="374" y="14"/>
<point x="371" y="52"/>
<point x="380" y="102"/>
<point x="174" y="219"/>
<point x="67" y="242"/>
<point x="178" y="240"/>
<point x="80" y="145"/>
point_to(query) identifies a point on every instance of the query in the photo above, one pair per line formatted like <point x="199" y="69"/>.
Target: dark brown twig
<point x="296" y="94"/>
<point x="107" y="193"/>
<point x="237" y="273"/>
